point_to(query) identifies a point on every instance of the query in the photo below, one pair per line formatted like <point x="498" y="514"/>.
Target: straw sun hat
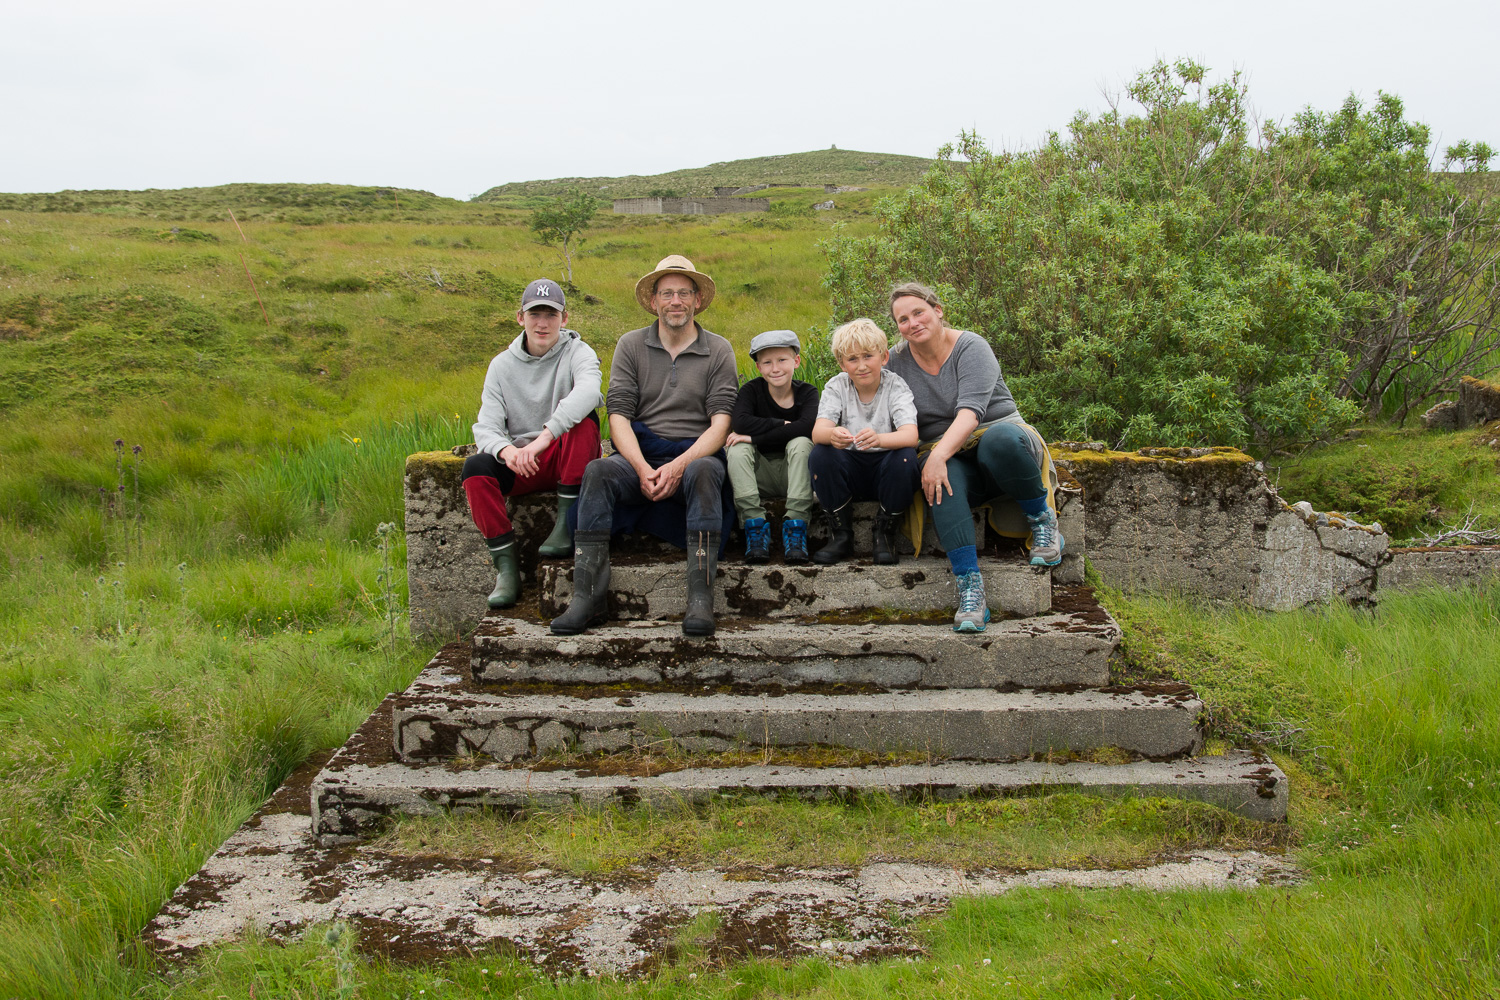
<point x="675" y="264"/>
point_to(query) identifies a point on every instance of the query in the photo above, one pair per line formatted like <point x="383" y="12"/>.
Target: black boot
<point x="885" y="539"/>
<point x="840" y="544"/>
<point x="702" y="568"/>
<point x="590" y="604"/>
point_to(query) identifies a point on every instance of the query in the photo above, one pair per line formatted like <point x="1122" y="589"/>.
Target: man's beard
<point x="686" y="323"/>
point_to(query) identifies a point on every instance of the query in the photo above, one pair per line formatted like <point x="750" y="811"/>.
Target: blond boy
<point x="864" y="443"/>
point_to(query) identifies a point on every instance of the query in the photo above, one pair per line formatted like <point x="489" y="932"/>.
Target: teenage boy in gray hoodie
<point x="537" y="429"/>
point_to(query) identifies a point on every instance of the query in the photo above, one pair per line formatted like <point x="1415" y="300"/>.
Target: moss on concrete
<point x="444" y="468"/>
<point x="1198" y="468"/>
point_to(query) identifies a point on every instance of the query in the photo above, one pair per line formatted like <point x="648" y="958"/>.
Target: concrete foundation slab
<point x="442" y="716"/>
<point x="272" y="878"/>
<point x="658" y="589"/>
<point x="1069" y="646"/>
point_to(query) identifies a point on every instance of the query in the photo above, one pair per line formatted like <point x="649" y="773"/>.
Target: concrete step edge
<point x="350" y="800"/>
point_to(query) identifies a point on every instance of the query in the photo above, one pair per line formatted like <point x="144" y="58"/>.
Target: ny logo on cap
<point x="543" y="291"/>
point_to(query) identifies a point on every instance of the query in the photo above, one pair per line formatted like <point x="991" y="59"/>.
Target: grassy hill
<point x="812" y="169"/>
<point x="319" y="204"/>
<point x="304" y="204"/>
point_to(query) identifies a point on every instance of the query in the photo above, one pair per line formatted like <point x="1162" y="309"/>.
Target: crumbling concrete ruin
<point x="1201" y="521"/>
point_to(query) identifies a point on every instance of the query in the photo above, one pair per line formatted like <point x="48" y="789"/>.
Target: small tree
<point x="560" y="223"/>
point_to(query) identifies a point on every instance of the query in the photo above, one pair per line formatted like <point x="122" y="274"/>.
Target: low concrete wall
<point x="1441" y="566"/>
<point x="1206" y="521"/>
<point x="1201" y="521"/>
<point x="1478" y="402"/>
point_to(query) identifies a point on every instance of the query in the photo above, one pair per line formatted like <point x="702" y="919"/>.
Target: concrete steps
<point x="364" y="785"/>
<point x="657" y="589"/>
<point x="852" y="662"/>
<point x="353" y="799"/>
<point x="443" y="715"/>
<point x="1067" y="647"/>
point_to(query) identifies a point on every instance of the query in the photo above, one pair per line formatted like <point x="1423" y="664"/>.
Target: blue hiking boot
<point x="757" y="540"/>
<point x="1046" y="540"/>
<point x="794" y="540"/>
<point x="973" y="612"/>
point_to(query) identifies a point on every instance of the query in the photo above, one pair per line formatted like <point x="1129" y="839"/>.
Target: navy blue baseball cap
<point x="544" y="292"/>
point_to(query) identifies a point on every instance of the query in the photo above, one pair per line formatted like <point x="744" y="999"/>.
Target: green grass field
<point x="179" y="628"/>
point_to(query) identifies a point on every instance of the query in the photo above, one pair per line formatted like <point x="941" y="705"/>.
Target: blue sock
<point x="964" y="559"/>
<point x="1035" y="506"/>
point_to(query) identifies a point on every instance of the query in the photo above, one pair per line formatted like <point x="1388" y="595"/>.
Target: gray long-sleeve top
<point x="969" y="380"/>
<point x="523" y="394"/>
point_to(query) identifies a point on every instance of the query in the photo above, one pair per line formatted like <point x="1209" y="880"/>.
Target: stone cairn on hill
<point x="821" y="681"/>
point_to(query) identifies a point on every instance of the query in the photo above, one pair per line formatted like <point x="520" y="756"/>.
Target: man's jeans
<point x="611" y="482"/>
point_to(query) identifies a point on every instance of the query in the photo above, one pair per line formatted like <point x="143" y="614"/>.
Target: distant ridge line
<point x="810" y="169"/>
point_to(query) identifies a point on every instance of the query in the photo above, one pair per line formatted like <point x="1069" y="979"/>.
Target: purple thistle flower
<point x="119" y="443"/>
<point x="136" y="450"/>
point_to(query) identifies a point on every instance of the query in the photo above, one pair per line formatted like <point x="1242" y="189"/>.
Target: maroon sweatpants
<point x="488" y="481"/>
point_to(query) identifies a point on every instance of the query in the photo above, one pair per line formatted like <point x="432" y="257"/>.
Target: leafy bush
<point x="1397" y="495"/>
<point x="1162" y="279"/>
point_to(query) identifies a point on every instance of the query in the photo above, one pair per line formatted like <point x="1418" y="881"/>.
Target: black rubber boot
<point x="885" y="539"/>
<point x="840" y="544"/>
<point x="590" y="604"/>
<point x="702" y="568"/>
<point x="559" y="544"/>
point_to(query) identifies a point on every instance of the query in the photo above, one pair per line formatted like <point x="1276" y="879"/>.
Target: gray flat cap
<point x="774" y="338"/>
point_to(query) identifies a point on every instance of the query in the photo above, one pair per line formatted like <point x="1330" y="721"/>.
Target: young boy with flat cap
<point x="769" y="443"/>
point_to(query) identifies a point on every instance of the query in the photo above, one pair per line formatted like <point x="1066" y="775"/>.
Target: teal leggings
<point x="1001" y="465"/>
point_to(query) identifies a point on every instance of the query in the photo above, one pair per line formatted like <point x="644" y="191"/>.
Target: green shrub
<point x="1399" y="496"/>
<point x="1163" y="279"/>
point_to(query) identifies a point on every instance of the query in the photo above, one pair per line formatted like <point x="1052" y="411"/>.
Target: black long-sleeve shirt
<point x="770" y="426"/>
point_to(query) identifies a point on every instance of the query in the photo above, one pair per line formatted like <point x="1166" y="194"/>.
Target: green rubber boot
<point x="507" y="576"/>
<point x="559" y="544"/>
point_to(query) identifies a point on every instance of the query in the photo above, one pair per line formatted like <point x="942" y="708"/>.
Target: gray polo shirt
<point x="673" y="397"/>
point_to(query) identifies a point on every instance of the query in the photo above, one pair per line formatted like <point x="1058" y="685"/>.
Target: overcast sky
<point x="456" y="97"/>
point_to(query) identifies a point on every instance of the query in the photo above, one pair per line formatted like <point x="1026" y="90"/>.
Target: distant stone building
<point x="841" y="188"/>
<point x="689" y="206"/>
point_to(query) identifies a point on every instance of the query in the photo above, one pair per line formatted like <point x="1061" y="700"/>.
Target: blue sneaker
<point x="973" y="612"/>
<point x="794" y="540"/>
<point x="757" y="540"/>
<point x="1046" y="540"/>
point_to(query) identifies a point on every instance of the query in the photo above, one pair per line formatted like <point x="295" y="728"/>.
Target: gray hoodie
<point x="523" y="394"/>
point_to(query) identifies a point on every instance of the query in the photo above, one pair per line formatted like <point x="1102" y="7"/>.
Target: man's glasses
<point x="668" y="294"/>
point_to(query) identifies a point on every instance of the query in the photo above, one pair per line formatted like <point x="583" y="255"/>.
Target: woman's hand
<point x="734" y="439"/>
<point x="935" y="478"/>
